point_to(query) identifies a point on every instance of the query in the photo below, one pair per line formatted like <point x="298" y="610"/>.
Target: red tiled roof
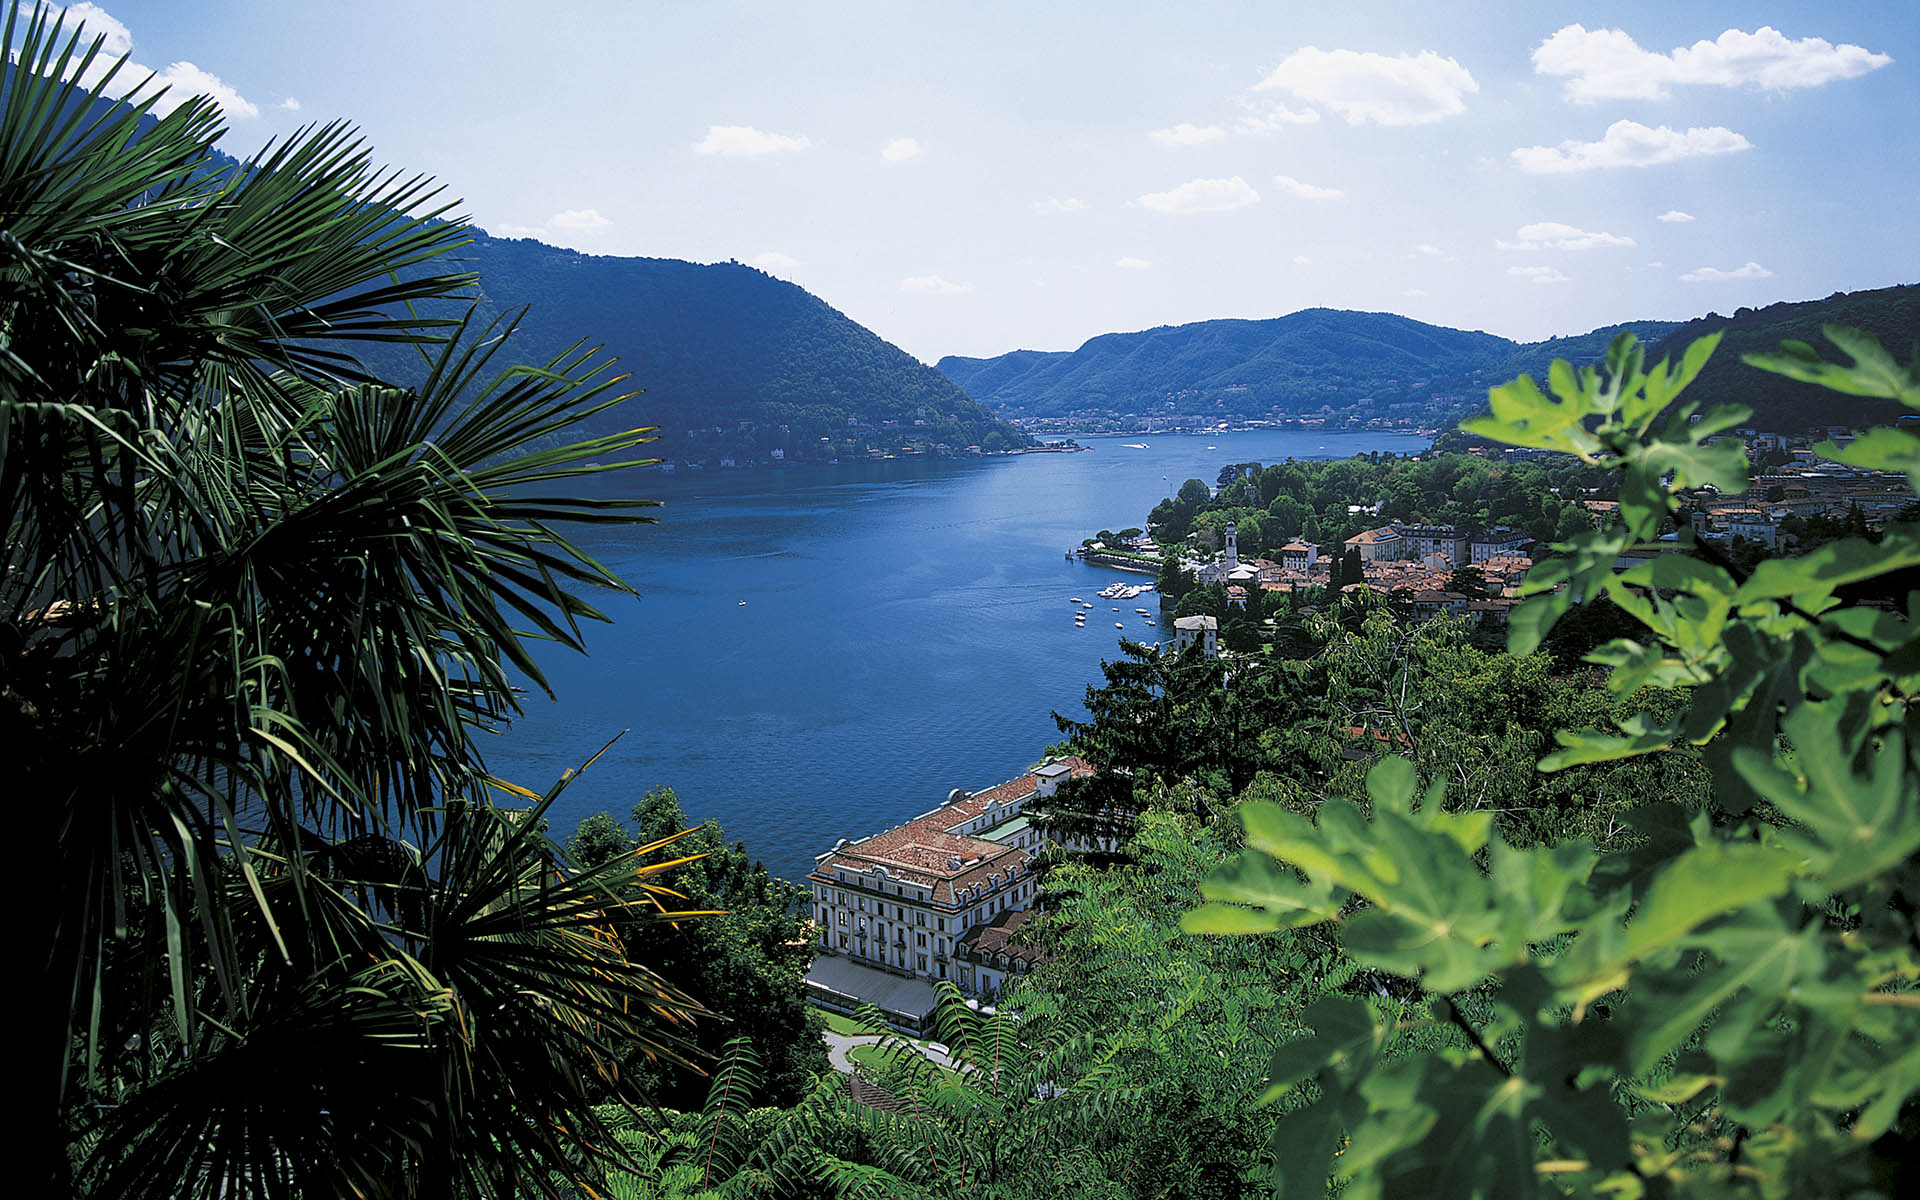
<point x="995" y="937"/>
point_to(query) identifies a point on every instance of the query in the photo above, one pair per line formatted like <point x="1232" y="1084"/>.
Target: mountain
<point x="1236" y="368"/>
<point x="733" y="362"/>
<point x="1364" y="364"/>
<point x="1785" y="405"/>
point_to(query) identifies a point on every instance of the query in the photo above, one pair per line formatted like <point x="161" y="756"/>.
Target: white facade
<point x="1188" y="630"/>
<point x="901" y="900"/>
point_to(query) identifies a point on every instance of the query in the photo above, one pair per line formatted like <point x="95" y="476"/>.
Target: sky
<point x="975" y="178"/>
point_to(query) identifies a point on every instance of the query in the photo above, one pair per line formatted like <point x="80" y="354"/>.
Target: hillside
<point x="734" y="362"/>
<point x="1378" y="364"/>
<point x="1230" y="369"/>
<point x="1782" y="404"/>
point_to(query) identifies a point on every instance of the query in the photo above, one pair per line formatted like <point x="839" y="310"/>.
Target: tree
<point x="1728" y="1004"/>
<point x="1469" y="581"/>
<point x="254" y="604"/>
<point x="748" y="961"/>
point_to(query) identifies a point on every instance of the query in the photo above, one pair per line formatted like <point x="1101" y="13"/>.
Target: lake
<point x="905" y="631"/>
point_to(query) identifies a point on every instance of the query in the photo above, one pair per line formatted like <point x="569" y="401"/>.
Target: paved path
<point x="838" y="1044"/>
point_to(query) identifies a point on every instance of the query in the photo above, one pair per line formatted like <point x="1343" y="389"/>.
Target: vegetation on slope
<point x="1295" y="364"/>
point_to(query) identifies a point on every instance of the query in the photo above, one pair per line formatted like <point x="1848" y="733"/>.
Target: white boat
<point x="1086" y="606"/>
<point x="1143" y="612"/>
<point x="1118" y="625"/>
<point x="1074" y="600"/>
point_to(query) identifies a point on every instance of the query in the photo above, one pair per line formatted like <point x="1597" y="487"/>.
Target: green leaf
<point x="1873" y="372"/>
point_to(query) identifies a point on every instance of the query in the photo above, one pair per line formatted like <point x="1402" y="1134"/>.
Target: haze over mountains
<point x="1383" y="365"/>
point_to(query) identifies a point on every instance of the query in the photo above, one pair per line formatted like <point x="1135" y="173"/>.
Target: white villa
<point x="891" y="909"/>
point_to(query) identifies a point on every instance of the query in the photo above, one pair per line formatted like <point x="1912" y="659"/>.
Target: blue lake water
<point x="906" y="631"/>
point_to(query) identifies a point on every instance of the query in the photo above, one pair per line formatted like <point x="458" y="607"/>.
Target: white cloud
<point x="1130" y="263"/>
<point x="931" y="283"/>
<point x="1053" y="205"/>
<point x="745" y="139"/>
<point x="1674" y="216"/>
<point x="1430" y="250"/>
<point x="1407" y="89"/>
<point x="1629" y="144"/>
<point x="564" y="227"/>
<point x="1275" y="116"/>
<point x="900" y="150"/>
<point x="1607" y="64"/>
<point x="1752" y="270"/>
<point x="1414" y="292"/>
<point x="1201" y="195"/>
<point x="1656" y="263"/>
<point x="289" y="104"/>
<point x="1538" y="274"/>
<point x="773" y="260"/>
<point x="1184" y="134"/>
<point x="1307" y="191"/>
<point x="1301" y="260"/>
<point x="1552" y="235"/>
<point x="182" y="81"/>
<point x="579" y="220"/>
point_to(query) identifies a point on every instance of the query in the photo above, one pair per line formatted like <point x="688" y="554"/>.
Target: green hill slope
<point x="1240" y="370"/>
<point x="1236" y="368"/>
<point x="734" y="362"/>
<point x="1891" y="314"/>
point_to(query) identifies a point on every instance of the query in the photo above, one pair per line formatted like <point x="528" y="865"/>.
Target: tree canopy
<point x="255" y="606"/>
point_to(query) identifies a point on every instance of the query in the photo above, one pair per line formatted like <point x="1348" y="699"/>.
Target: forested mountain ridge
<point x="734" y="363"/>
<point x="1891" y="314"/>
<point x="1295" y="363"/>
<point x="1368" y="363"/>
<point x="731" y="362"/>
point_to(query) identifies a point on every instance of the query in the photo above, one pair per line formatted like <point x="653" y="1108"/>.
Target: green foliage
<point x="254" y="606"/>
<point x="1724" y="1005"/>
<point x="746" y="962"/>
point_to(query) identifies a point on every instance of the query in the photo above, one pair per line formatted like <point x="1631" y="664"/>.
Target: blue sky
<point x="969" y="179"/>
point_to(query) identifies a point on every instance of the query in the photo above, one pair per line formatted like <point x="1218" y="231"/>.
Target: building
<point x="1420" y="541"/>
<point x="891" y="909"/>
<point x="1377" y="545"/>
<point x="987" y="955"/>
<point x="1498" y="543"/>
<point x="1204" y="630"/>
<point x="1298" y="556"/>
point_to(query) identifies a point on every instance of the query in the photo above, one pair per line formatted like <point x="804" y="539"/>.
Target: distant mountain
<point x="1582" y="349"/>
<point x="733" y="362"/>
<point x="1235" y="368"/>
<point x="1372" y="362"/>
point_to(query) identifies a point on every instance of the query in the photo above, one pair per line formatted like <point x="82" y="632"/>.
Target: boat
<point x="1118" y="625"/>
<point x="743" y="604"/>
<point x="1116" y="609"/>
<point x="1086" y="606"/>
<point x="1075" y="600"/>
<point x="1143" y="612"/>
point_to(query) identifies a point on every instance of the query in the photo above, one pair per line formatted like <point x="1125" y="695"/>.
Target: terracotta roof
<point x="995" y="937"/>
<point x="1383" y="534"/>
